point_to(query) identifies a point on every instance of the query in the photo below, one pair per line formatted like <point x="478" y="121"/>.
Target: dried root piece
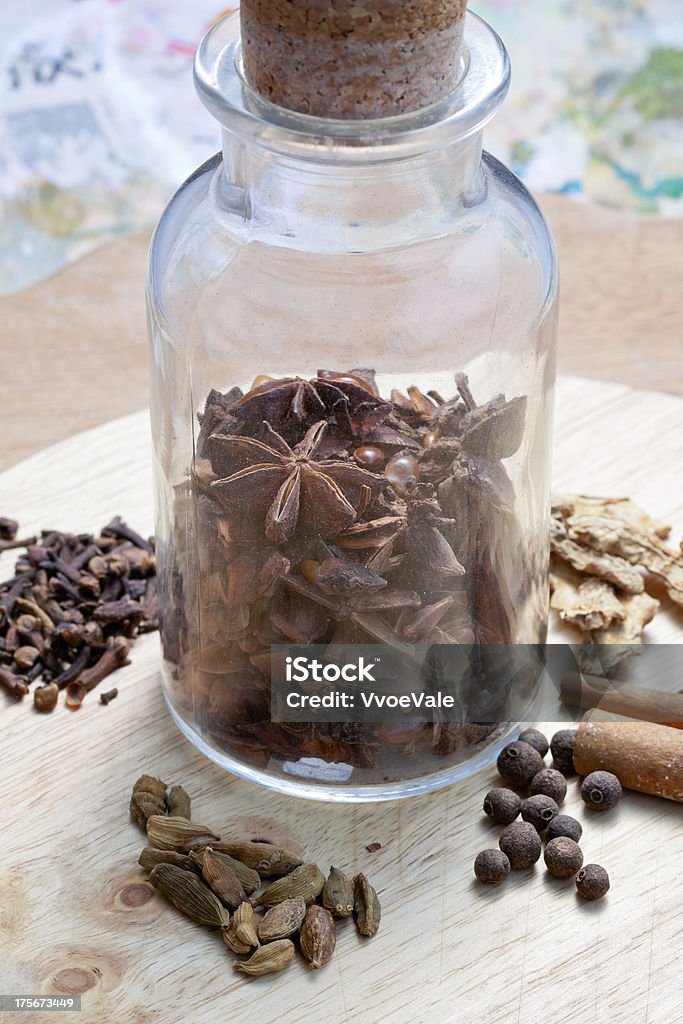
<point x="567" y="505"/>
<point x="639" y="610"/>
<point x="590" y="604"/>
<point x="618" y="529"/>
<point x="608" y="567"/>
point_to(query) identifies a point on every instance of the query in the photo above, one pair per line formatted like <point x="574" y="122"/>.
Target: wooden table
<point x="74" y="348"/>
<point x="77" y="915"/>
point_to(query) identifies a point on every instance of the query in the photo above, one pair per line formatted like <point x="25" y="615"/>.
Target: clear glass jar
<point x="410" y="519"/>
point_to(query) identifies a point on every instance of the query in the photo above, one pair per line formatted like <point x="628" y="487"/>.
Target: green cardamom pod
<point x="250" y="880"/>
<point x="178" y="834"/>
<point x="246" y="924"/>
<point x="178" y="803"/>
<point x="148" y="798"/>
<point x="305" y="881"/>
<point x="282" y="920"/>
<point x="222" y="880"/>
<point x="366" y="906"/>
<point x="318" y="936"/>
<point x="189" y="894"/>
<point x="269" y="958"/>
<point x="269" y="860"/>
<point x="149" y="858"/>
<point x="337" y="895"/>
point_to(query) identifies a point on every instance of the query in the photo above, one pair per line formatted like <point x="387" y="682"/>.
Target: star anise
<point x="283" y="489"/>
<point x="217" y="416"/>
<point x="354" y="595"/>
<point x="279" y="399"/>
<point x="290" y="402"/>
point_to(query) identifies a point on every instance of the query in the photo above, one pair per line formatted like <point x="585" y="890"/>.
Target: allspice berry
<point x="601" y="791"/>
<point x="535" y="739"/>
<point x="491" y="867"/>
<point x="549" y="782"/>
<point x="592" y="882"/>
<point x="518" y="763"/>
<point x="502" y="805"/>
<point x="563" y="857"/>
<point x="562" y="749"/>
<point x="539" y="810"/>
<point x="564" y="825"/>
<point x="521" y="844"/>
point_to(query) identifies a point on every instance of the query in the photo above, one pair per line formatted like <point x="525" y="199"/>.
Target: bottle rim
<point x="223" y="89"/>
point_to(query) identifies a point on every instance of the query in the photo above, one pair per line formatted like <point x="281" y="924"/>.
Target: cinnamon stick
<point x="587" y="691"/>
<point x="644" y="756"/>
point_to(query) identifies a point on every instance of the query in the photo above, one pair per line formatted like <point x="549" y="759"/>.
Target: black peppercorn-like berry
<point x="592" y="882"/>
<point x="539" y="811"/>
<point x="564" y="825"/>
<point x="601" y="791"/>
<point x="549" y="782"/>
<point x="562" y="749"/>
<point x="535" y="739"/>
<point x="563" y="857"/>
<point x="502" y="805"/>
<point x="518" y="763"/>
<point x="521" y="844"/>
<point x="491" y="867"/>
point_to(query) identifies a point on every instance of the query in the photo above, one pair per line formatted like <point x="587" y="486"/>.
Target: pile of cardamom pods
<point x="219" y="883"/>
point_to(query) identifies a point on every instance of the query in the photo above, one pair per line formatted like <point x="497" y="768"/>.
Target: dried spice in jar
<point x="352" y="372"/>
<point x="309" y="537"/>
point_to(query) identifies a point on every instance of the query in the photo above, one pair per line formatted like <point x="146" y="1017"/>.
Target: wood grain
<point x="74" y="349"/>
<point x="77" y="915"/>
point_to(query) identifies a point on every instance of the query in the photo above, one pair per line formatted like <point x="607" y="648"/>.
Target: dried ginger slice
<point x="640" y="609"/>
<point x="608" y="567"/>
<point x="567" y="505"/>
<point x="587" y="603"/>
<point x="619" y="537"/>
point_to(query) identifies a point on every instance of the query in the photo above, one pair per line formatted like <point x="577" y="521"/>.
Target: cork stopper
<point x="352" y="58"/>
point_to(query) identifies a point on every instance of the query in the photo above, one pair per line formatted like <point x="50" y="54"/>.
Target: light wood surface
<point x="76" y="914"/>
<point x="74" y="350"/>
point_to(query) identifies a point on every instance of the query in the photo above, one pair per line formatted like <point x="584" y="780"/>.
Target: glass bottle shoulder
<point x="206" y="230"/>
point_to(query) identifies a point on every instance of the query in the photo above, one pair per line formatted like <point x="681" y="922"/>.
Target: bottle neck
<point x="350" y="206"/>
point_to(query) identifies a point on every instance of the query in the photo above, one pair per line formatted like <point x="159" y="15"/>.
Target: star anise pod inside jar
<point x="327" y="514"/>
<point x="282" y="490"/>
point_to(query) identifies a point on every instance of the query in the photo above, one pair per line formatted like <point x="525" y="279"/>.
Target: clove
<point x="74" y="604"/>
<point x="8" y="545"/>
<point x="15" y="686"/>
<point x="45" y="697"/>
<point x="115" y="656"/>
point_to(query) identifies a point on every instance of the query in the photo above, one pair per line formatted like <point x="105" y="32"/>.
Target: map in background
<point x="99" y="121"/>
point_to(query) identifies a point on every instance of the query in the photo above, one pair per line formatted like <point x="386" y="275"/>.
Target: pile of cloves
<point x="219" y="882"/>
<point x="71" y="610"/>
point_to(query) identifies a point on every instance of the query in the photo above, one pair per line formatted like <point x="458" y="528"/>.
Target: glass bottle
<point x="367" y="291"/>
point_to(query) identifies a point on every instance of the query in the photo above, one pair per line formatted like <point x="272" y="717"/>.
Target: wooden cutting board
<point x="78" y="917"/>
